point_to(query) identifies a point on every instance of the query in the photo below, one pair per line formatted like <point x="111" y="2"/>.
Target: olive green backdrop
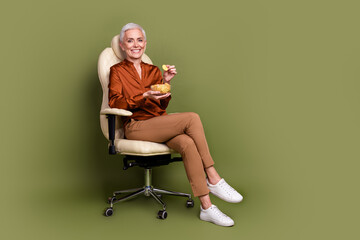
<point x="276" y="84"/>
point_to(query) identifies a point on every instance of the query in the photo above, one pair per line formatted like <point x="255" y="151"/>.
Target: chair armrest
<point x="115" y="111"/>
<point x="111" y="114"/>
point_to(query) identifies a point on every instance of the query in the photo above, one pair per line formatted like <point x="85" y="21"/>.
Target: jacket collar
<point x="129" y="63"/>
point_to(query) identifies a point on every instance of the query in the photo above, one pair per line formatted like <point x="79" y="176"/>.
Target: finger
<point x="160" y="94"/>
<point x="158" y="97"/>
<point x="155" y="92"/>
<point x="163" y="96"/>
<point x="171" y="67"/>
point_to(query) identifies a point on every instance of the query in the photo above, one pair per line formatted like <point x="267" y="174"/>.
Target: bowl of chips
<point x="162" y="88"/>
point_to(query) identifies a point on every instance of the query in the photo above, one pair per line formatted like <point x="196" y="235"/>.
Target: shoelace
<point x="219" y="213"/>
<point x="227" y="188"/>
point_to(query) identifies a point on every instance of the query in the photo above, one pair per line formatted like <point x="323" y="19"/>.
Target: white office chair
<point x="136" y="153"/>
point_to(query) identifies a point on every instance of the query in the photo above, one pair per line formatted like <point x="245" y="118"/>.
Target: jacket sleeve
<point x="165" y="102"/>
<point x="116" y="96"/>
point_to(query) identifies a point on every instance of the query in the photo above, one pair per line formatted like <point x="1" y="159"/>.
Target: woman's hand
<point x="169" y="74"/>
<point x="155" y="95"/>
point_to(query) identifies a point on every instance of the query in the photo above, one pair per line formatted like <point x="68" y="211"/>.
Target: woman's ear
<point x="121" y="46"/>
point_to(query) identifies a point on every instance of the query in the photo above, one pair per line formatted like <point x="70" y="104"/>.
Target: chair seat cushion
<point x="141" y="148"/>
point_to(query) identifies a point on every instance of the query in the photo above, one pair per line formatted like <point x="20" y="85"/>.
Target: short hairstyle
<point x="128" y="27"/>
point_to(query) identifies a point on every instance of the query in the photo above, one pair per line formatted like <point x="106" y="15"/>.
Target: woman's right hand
<point x="155" y="95"/>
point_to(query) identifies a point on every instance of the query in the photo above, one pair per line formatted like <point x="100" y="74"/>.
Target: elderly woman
<point x="129" y="89"/>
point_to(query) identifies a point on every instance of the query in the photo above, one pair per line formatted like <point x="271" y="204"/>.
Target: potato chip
<point x="162" y="88"/>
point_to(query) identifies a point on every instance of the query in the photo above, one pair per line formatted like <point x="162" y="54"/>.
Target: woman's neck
<point x="137" y="65"/>
<point x="136" y="62"/>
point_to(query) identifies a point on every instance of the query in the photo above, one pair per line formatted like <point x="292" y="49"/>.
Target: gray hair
<point x="128" y="27"/>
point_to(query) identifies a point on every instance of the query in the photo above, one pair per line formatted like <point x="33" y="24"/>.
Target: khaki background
<point x="276" y="84"/>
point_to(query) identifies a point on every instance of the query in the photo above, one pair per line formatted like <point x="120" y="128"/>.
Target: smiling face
<point x="133" y="44"/>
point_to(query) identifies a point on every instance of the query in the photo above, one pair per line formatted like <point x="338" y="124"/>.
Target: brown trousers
<point x="184" y="133"/>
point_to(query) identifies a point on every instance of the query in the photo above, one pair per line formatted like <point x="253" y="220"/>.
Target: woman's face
<point x="133" y="44"/>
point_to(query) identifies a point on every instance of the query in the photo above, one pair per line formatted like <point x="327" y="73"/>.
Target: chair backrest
<point x="108" y="58"/>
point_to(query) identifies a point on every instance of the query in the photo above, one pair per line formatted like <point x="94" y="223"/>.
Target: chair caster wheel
<point x="111" y="199"/>
<point x="162" y="214"/>
<point x="108" y="212"/>
<point x="190" y="203"/>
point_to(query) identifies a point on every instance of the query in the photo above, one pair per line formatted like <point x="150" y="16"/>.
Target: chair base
<point x="148" y="191"/>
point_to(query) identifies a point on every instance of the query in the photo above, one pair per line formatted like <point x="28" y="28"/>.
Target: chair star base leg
<point x="148" y="191"/>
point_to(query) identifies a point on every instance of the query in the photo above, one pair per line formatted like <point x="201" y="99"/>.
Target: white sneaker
<point x="214" y="215"/>
<point x="224" y="191"/>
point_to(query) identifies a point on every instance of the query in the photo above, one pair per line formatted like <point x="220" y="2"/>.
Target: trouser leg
<point x="194" y="168"/>
<point x="163" y="128"/>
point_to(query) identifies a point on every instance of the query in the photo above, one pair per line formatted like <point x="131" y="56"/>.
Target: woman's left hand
<point x="169" y="74"/>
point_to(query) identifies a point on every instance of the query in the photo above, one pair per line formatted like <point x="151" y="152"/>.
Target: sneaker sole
<point x="216" y="223"/>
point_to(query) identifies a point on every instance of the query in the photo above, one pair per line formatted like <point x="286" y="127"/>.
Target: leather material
<point x="141" y="148"/>
<point x="115" y="111"/>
